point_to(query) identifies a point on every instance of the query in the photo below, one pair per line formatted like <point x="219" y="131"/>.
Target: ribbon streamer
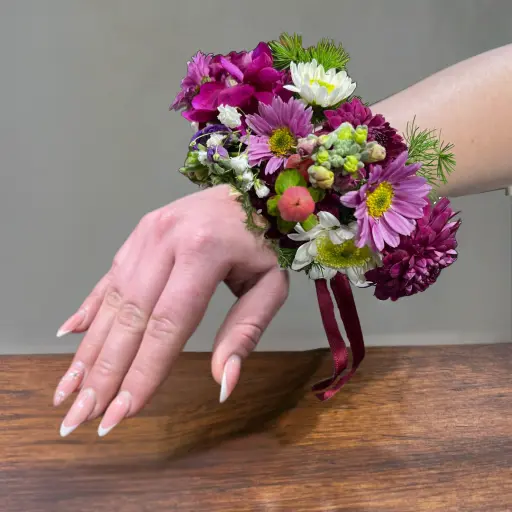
<point x="344" y="298"/>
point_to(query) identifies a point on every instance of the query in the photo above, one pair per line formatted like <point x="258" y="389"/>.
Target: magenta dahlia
<point x="388" y="203"/>
<point x="275" y="131"/>
<point x="417" y="261"/>
<point x="379" y="130"/>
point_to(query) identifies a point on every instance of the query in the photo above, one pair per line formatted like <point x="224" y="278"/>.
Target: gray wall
<point x="87" y="146"/>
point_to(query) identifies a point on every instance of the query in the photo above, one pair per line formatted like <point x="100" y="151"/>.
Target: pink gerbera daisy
<point x="388" y="203"/>
<point x="276" y="130"/>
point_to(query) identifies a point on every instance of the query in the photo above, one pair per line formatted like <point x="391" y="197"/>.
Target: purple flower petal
<point x="233" y="70"/>
<point x="237" y="96"/>
<point x="399" y="223"/>
<point x="274" y="164"/>
<point x="207" y="99"/>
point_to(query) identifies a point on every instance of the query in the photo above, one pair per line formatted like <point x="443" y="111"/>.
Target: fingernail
<point x="230" y="377"/>
<point x="71" y="323"/>
<point x="117" y="410"/>
<point x="69" y="383"/>
<point x="79" y="412"/>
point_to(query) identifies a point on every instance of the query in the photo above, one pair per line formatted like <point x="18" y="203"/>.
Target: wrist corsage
<point x="347" y="199"/>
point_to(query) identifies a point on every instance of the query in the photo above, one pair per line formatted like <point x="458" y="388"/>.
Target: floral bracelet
<point x="347" y="199"/>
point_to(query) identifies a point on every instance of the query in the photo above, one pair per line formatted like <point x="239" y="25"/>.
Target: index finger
<point x="176" y="316"/>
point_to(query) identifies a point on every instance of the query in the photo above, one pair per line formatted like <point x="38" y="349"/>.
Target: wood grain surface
<point x="417" y="429"/>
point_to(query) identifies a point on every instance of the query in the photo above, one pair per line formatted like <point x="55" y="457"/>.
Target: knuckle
<point x="113" y="298"/>
<point x="249" y="335"/>
<point x="131" y="317"/>
<point x="105" y="368"/>
<point x="164" y="221"/>
<point x="203" y="241"/>
<point x="148" y="220"/>
<point x="162" y="327"/>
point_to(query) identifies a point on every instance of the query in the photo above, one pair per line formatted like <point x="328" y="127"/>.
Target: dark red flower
<point x="417" y="261"/>
<point x="379" y="130"/>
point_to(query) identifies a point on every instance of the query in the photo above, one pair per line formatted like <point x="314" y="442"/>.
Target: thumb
<point x="244" y="325"/>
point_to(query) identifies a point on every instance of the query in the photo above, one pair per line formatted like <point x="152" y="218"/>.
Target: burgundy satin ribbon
<point x="342" y="292"/>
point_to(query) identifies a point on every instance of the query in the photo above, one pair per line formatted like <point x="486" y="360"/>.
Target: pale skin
<point x="142" y="312"/>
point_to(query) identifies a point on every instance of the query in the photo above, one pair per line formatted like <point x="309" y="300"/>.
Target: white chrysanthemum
<point x="327" y="234"/>
<point x="319" y="87"/>
<point x="229" y="116"/>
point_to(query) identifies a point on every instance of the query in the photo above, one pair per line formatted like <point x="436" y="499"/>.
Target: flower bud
<point x="322" y="156"/>
<point x="261" y="189"/>
<point x="374" y="153"/>
<point x="345" y="132"/>
<point x="351" y="164"/>
<point x="307" y="146"/>
<point x="361" y="134"/>
<point x="320" y="177"/>
<point x="327" y="140"/>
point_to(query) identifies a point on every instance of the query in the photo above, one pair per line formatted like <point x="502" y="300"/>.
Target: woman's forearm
<point x="471" y="103"/>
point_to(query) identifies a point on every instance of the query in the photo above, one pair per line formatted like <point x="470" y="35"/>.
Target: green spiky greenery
<point x="285" y="256"/>
<point x="288" y="48"/>
<point x="250" y="213"/>
<point x="436" y="156"/>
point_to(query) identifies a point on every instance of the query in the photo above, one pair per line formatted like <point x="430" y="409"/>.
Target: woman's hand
<point x="142" y="312"/>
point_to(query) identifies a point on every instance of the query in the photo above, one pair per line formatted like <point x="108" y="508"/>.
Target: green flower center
<point x="343" y="255"/>
<point x="281" y="141"/>
<point x="379" y="201"/>
<point x="321" y="83"/>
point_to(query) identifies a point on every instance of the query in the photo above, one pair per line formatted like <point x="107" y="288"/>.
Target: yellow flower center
<point x="281" y="141"/>
<point x="321" y="83"/>
<point x="343" y="255"/>
<point x="379" y="201"/>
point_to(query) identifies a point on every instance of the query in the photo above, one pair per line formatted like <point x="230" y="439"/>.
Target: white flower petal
<point x="229" y="116"/>
<point x="328" y="220"/>
<point x="302" y="257"/>
<point x="321" y="272"/>
<point x="340" y="235"/>
<point x="356" y="276"/>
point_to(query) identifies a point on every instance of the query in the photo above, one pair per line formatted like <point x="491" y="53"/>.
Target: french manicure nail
<point x="79" y="412"/>
<point x="71" y="323"/>
<point x="230" y="377"/>
<point x="117" y="410"/>
<point x="69" y="383"/>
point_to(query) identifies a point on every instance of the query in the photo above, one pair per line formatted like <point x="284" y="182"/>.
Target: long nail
<point x="69" y="383"/>
<point x="230" y="377"/>
<point x="71" y="323"/>
<point x="117" y="410"/>
<point x="79" y="412"/>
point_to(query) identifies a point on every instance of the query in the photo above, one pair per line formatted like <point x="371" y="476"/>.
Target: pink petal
<point x="399" y="223"/>
<point x="377" y="235"/>
<point x="207" y="99"/>
<point x="274" y="164"/>
<point x="236" y="96"/>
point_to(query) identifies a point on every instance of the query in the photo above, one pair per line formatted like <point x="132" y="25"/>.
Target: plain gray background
<point x="87" y="146"/>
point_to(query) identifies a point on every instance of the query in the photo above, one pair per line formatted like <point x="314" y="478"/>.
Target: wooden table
<point x="417" y="429"/>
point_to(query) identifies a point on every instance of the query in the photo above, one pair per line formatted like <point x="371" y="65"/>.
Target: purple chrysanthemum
<point x="198" y="72"/>
<point x="379" y="130"/>
<point x="419" y="258"/>
<point x="276" y="130"/>
<point x="388" y="203"/>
